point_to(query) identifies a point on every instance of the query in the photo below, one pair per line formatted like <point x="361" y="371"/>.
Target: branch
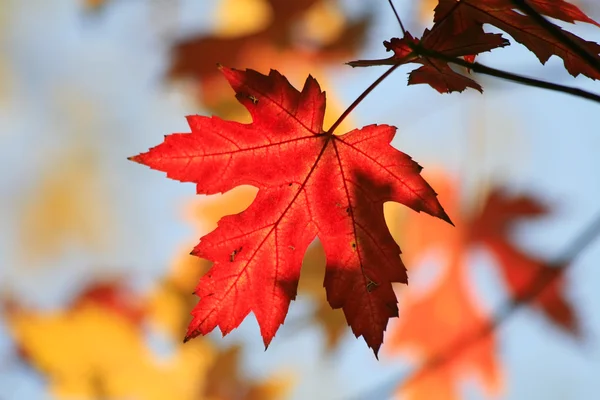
<point x="482" y="69"/>
<point x="541" y="281"/>
<point x="558" y="34"/>
<point x="360" y="98"/>
<point x="391" y="3"/>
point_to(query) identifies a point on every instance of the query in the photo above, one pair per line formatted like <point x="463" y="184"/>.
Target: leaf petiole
<point x="397" y="17"/>
<point x="359" y="99"/>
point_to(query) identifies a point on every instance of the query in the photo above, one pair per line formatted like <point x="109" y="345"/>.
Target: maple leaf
<point x="458" y="32"/>
<point x="437" y="73"/>
<point x="521" y="271"/>
<point x="491" y="229"/>
<point x="449" y="307"/>
<point x="95" y="350"/>
<point x="274" y="44"/>
<point x="311" y="183"/>
<point x="468" y="344"/>
<point x="206" y="213"/>
<point x="468" y="14"/>
<point x="562" y="10"/>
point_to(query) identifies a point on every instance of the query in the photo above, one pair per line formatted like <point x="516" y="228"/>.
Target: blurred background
<point x="95" y="276"/>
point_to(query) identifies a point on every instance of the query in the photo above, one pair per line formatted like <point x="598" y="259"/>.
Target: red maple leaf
<point x="437" y="73"/>
<point x="522" y="272"/>
<point x="458" y="32"/>
<point x="491" y="228"/>
<point x="560" y="9"/>
<point x="311" y="183"/>
<point x="468" y="14"/>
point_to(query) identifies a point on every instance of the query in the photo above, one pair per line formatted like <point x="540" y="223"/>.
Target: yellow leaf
<point x="426" y="8"/>
<point x="92" y="351"/>
<point x="236" y="18"/>
<point x="69" y="205"/>
<point x="323" y="23"/>
<point x="67" y="208"/>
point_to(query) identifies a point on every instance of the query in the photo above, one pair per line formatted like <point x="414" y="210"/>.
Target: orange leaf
<point x="446" y="318"/>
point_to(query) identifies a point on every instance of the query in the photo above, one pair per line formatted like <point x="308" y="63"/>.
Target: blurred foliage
<point x="95" y="5"/>
<point x="468" y="343"/>
<point x="56" y="214"/>
<point x="444" y="317"/>
<point x="447" y="315"/>
<point x="95" y="350"/>
<point x="263" y="35"/>
<point x="224" y="381"/>
<point x="103" y="346"/>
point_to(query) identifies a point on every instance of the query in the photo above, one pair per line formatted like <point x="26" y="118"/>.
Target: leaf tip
<point x="195" y="251"/>
<point x="446" y="218"/>
<point x="267" y="341"/>
<point x="136" y="159"/>
<point x="376" y="352"/>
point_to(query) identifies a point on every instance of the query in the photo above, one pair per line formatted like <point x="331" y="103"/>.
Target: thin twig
<point x="541" y="281"/>
<point x="592" y="59"/>
<point x="360" y="98"/>
<point x="482" y="69"/>
<point x="397" y="17"/>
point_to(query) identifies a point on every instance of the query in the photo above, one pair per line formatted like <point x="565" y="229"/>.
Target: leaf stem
<point x="559" y="34"/>
<point x="397" y="17"/>
<point x="360" y="98"/>
<point x="482" y="69"/>
<point x="540" y="282"/>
